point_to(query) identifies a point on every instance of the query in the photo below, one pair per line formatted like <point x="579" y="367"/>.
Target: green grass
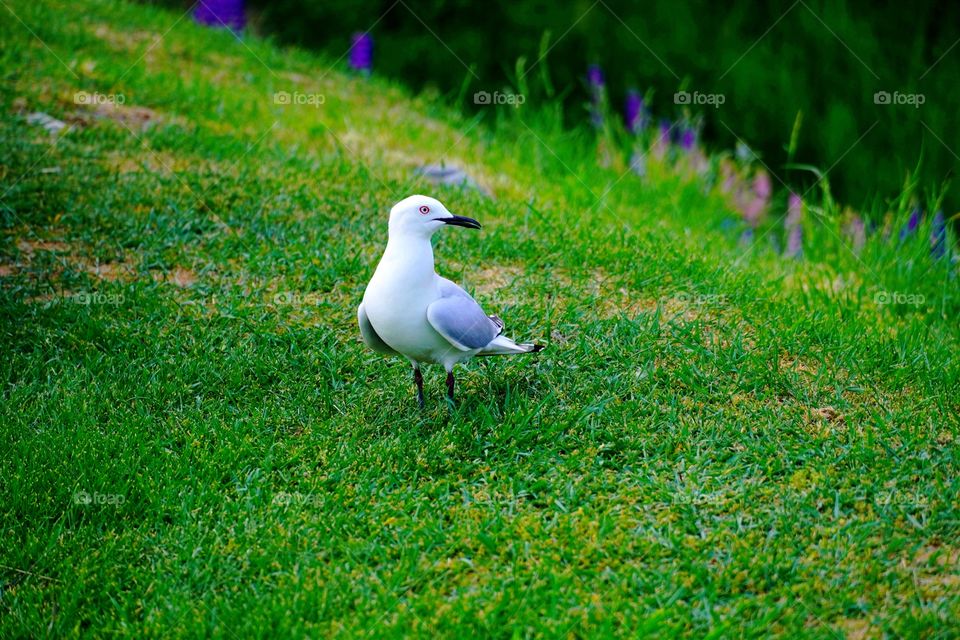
<point x="716" y="442"/>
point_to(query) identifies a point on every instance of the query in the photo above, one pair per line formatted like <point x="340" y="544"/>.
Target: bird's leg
<point x="450" y="385"/>
<point x="418" y="380"/>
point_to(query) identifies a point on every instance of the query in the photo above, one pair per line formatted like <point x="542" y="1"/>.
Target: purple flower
<point x="793" y="226"/>
<point x="754" y="203"/>
<point x="597" y="94"/>
<point x="795" y="242"/>
<point x="857" y="232"/>
<point x="634" y="112"/>
<point x="762" y="185"/>
<point x="666" y="129"/>
<point x="660" y="146"/>
<point x="794" y="208"/>
<point x="688" y="138"/>
<point x="729" y="176"/>
<point x="938" y="236"/>
<point x="595" y="77"/>
<point x="361" y="52"/>
<point x="221" y="13"/>
<point x="753" y="210"/>
<point x="911" y="227"/>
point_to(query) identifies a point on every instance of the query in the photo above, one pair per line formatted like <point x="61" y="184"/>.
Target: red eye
<point x="424" y="209"/>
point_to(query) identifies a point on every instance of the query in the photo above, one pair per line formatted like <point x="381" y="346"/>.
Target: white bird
<point x="409" y="310"/>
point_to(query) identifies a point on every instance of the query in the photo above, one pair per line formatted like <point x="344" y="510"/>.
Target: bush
<point x="820" y="64"/>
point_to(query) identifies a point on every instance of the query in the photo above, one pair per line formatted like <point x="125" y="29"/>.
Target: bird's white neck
<point x="410" y="255"/>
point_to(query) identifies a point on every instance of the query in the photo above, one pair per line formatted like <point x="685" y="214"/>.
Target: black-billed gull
<point x="409" y="310"/>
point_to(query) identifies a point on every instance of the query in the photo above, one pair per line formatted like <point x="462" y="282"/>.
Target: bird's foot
<point x="418" y="380"/>
<point x="450" y="383"/>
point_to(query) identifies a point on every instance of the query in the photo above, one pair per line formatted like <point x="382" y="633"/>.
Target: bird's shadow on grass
<point x="487" y="394"/>
<point x="491" y="392"/>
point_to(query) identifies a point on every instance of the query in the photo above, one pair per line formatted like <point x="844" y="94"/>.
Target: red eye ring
<point x="424" y="209"/>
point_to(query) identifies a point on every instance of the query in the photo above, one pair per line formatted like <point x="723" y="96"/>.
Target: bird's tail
<point x="503" y="346"/>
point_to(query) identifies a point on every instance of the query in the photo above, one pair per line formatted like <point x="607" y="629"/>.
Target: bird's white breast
<point x="396" y="302"/>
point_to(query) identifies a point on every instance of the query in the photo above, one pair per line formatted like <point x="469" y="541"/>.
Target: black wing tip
<point x="500" y="325"/>
<point x="538" y="347"/>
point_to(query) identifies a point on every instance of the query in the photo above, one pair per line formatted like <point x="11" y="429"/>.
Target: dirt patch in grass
<point x="856" y="628"/>
<point x="612" y="298"/>
<point x="130" y="117"/>
<point x="30" y="249"/>
<point x="791" y="362"/>
<point x="125" y="40"/>
<point x="494" y="282"/>
<point x="111" y="271"/>
<point x="152" y="161"/>
<point x="70" y="256"/>
<point x="596" y="291"/>
<point x="936" y="570"/>
<point x="94" y="106"/>
<point x="30" y="246"/>
<point x="178" y="276"/>
<point x="73" y="257"/>
<point x="826" y="414"/>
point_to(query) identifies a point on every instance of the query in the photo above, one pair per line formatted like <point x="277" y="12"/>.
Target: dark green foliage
<point x="771" y="61"/>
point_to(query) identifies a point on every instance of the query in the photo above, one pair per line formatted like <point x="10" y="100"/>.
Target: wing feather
<point x="369" y="334"/>
<point x="458" y="318"/>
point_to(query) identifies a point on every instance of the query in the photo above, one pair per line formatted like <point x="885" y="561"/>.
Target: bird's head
<point x="422" y="216"/>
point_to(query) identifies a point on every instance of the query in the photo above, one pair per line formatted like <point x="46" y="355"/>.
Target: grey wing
<point x="451" y="289"/>
<point x="458" y="318"/>
<point x="369" y="335"/>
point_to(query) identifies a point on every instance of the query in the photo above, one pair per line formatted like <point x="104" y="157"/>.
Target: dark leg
<point x="418" y="380"/>
<point x="450" y="385"/>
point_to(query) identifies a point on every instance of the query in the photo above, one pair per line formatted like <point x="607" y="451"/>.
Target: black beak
<point x="461" y="221"/>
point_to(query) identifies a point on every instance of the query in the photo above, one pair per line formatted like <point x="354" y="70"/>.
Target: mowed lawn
<point x="717" y="442"/>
